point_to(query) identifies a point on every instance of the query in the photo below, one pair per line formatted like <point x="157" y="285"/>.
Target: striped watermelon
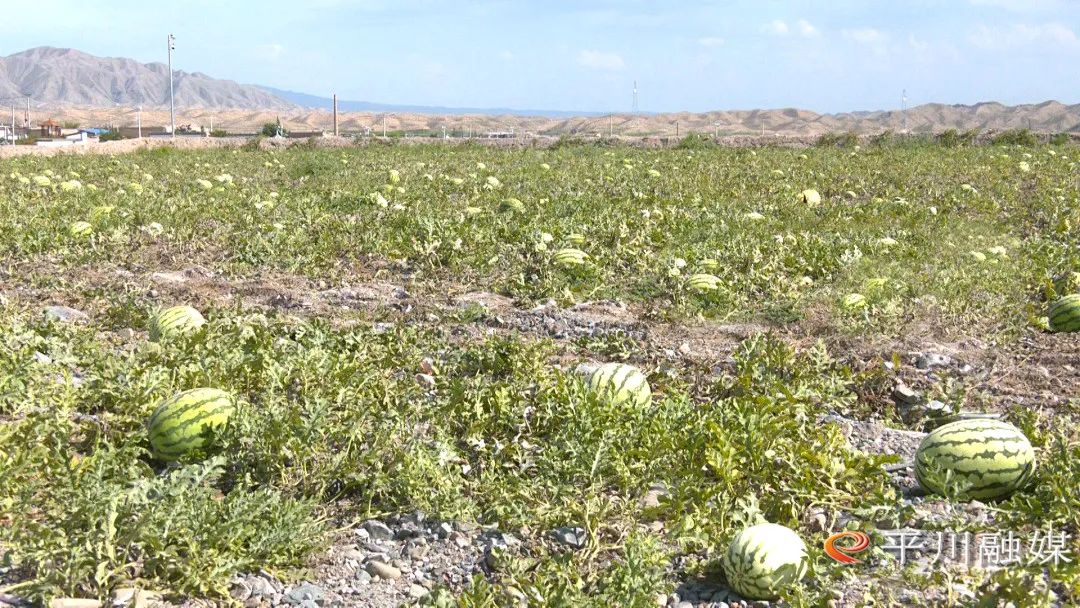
<point x="620" y="384"/>
<point x="180" y="423"/>
<point x="101" y="213"/>
<point x="1065" y="314"/>
<point x="175" y="321"/>
<point x="570" y="257"/>
<point x="703" y="282"/>
<point x="80" y="229"/>
<point x="512" y="204"/>
<point x="853" y="301"/>
<point x="764" y="560"/>
<point x="710" y="264"/>
<point x="576" y="238"/>
<point x="981" y="458"/>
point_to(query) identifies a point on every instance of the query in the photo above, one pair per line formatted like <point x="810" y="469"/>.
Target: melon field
<point x="405" y="346"/>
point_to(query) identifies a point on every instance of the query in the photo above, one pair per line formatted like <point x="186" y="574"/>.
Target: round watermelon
<point x="764" y="560"/>
<point x="101" y="212"/>
<point x="620" y="384"/>
<point x="853" y="301"/>
<point x="1065" y="314"/>
<point x="512" y="204"/>
<point x="703" y="282"/>
<point x="980" y="458"/>
<point x="80" y="229"/>
<point x="570" y="257"/>
<point x="180" y="424"/>
<point x="175" y="321"/>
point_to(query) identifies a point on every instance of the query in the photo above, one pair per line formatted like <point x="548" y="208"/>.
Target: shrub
<point x="1015" y="137"/>
<point x="696" y="141"/>
<point x="848" y="139"/>
<point x="272" y="129"/>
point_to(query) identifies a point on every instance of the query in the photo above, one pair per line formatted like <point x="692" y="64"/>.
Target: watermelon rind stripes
<point x="1065" y="314"/>
<point x="703" y="282"/>
<point x="570" y="257"/>
<point x="175" y="320"/>
<point x="980" y="459"/>
<point x="764" y="560"/>
<point x="621" y="384"/>
<point x="179" y="424"/>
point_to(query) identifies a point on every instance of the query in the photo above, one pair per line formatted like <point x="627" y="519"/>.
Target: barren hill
<point x="95" y="91"/>
<point x="72" y="78"/>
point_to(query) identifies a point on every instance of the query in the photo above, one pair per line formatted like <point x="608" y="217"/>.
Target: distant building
<point x="51" y="128"/>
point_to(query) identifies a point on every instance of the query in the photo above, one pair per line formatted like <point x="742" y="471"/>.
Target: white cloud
<point x="865" y="35"/>
<point x="600" y="60"/>
<point x="271" y="51"/>
<point x="776" y="28"/>
<point x="710" y="41"/>
<point x="807" y="29"/>
<point x="1053" y="35"/>
<point x="781" y="28"/>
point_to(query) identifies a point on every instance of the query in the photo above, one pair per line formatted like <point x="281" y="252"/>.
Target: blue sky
<point x="584" y="55"/>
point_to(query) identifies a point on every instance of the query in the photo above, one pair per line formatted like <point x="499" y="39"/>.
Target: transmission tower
<point x="635" y="108"/>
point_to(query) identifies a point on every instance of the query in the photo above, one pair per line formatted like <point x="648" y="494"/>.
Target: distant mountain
<point x="69" y="77"/>
<point x="326" y="103"/>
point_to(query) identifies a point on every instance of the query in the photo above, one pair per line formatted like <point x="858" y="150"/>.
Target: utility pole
<point x="384" y="124"/>
<point x="12" y="123"/>
<point x="172" y="103"/>
<point x="26" y="119"/>
<point x="138" y="120"/>
<point x="335" y="116"/>
<point x="763" y="128"/>
<point x="903" y="108"/>
<point x="635" y="107"/>
<point x="716" y="130"/>
<point x="610" y="126"/>
<point x="676" y="129"/>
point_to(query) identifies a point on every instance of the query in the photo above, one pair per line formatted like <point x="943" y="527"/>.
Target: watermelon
<point x="576" y="238"/>
<point x="764" y="560"/>
<point x="810" y="197"/>
<point x="101" y="213"/>
<point x="512" y="204"/>
<point x="175" y="321"/>
<point x="570" y="257"/>
<point x="620" y="384"/>
<point x="853" y="301"/>
<point x="710" y="264"/>
<point x="1065" y="314"/>
<point x="980" y="458"/>
<point x="703" y="282"/>
<point x="180" y="424"/>
<point x="80" y="229"/>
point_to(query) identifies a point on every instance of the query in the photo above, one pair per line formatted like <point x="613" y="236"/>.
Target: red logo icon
<point x="860" y="542"/>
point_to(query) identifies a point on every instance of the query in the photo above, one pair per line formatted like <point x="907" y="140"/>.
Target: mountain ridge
<point x="87" y="89"/>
